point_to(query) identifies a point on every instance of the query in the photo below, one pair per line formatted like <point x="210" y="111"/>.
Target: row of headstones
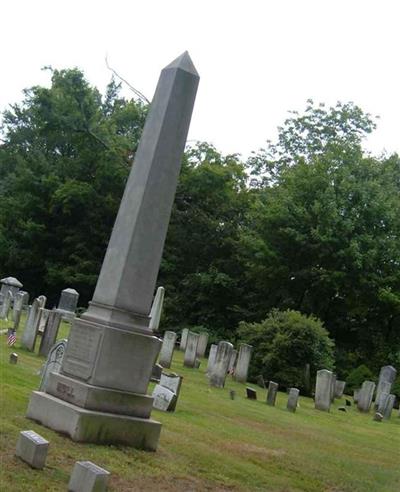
<point x="18" y="302"/>
<point x="293" y="396"/>
<point x="85" y="477"/>
<point x="326" y="390"/>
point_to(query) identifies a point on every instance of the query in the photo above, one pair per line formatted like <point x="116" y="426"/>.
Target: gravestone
<point x="42" y="301"/>
<point x="251" y="393"/>
<point x="211" y="357"/>
<point x="387" y="376"/>
<point x="6" y="305"/>
<point x="183" y="342"/>
<point x="191" y="349"/>
<point x="365" y="395"/>
<point x="156" y="309"/>
<point x="378" y="417"/>
<point x="88" y="477"/>
<point x="356" y="392"/>
<point x="17" y="308"/>
<point x="333" y="386"/>
<point x="293" y="399"/>
<point x="156" y="373"/>
<point x="32" y="448"/>
<point x="68" y="303"/>
<point x="197" y="363"/>
<point x="260" y="381"/>
<point x="173" y="382"/>
<point x="388" y="407"/>
<point x="50" y="333"/>
<point x="13" y="358"/>
<point x="243" y="362"/>
<point x="339" y="388"/>
<point x="163" y="398"/>
<point x="202" y="345"/>
<point x="167" y="349"/>
<point x="219" y="369"/>
<point x="53" y="363"/>
<point x="43" y="317"/>
<point x="9" y="284"/>
<point x="111" y="349"/>
<point x="380" y="402"/>
<point x="232" y="362"/>
<point x="323" y="390"/>
<point x="28" y="339"/>
<point x="272" y="392"/>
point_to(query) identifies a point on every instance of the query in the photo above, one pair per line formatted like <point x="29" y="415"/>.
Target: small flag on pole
<point x="11" y="337"/>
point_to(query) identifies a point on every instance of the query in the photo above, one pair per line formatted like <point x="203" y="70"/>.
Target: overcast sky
<point x="257" y="59"/>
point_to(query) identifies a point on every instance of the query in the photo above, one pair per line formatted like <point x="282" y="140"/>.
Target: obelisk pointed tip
<point x="184" y="62"/>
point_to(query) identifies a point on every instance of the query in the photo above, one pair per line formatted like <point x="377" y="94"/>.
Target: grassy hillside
<point x="211" y="442"/>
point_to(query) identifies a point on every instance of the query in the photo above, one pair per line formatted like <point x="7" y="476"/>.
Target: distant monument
<point x="101" y="391"/>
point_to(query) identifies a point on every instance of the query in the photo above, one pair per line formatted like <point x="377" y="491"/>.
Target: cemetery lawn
<point x="210" y="442"/>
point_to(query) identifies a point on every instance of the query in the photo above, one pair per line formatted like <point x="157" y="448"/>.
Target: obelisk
<point x="100" y="395"/>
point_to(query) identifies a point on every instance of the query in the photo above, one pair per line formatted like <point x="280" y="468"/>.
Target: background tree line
<point x="310" y="223"/>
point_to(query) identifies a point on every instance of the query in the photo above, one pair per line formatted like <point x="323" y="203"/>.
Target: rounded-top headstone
<point x="11" y="281"/>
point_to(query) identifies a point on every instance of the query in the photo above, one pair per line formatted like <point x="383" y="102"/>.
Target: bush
<point x="356" y="378"/>
<point x="284" y="343"/>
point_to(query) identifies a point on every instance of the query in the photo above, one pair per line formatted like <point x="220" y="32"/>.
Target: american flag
<point x="11" y="337"/>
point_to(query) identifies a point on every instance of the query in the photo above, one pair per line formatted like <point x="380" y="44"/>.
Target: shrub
<point x="356" y="378"/>
<point x="284" y="343"/>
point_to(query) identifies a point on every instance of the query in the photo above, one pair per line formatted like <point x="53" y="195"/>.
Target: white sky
<point x="257" y="58"/>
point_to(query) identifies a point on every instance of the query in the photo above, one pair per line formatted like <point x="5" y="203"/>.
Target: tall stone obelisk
<point x="100" y="393"/>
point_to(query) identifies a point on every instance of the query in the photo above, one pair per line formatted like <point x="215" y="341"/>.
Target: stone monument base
<point x="93" y="426"/>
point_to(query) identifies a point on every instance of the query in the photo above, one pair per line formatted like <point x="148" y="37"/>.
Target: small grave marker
<point x="32" y="448"/>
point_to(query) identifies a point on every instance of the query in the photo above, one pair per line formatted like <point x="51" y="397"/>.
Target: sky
<point x="257" y="59"/>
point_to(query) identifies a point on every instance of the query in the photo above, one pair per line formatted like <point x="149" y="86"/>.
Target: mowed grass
<point x="210" y="442"/>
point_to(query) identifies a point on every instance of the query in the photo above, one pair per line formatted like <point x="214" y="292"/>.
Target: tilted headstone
<point x="339" y="388"/>
<point x="191" y="349"/>
<point x="389" y="404"/>
<point x="164" y="399"/>
<point x="111" y="349"/>
<point x="219" y="369"/>
<point x="88" y="477"/>
<point x="243" y="362"/>
<point x="184" y="336"/>
<point x="167" y="349"/>
<point x="32" y="448"/>
<point x="232" y="362"/>
<point x="333" y="386"/>
<point x="50" y="333"/>
<point x="365" y="396"/>
<point x="29" y="335"/>
<point x="173" y="382"/>
<point x="211" y="357"/>
<point x="6" y="305"/>
<point x="53" y="363"/>
<point x="251" y="393"/>
<point x="323" y="390"/>
<point x="387" y="377"/>
<point x="272" y="392"/>
<point x="202" y="345"/>
<point x="293" y="399"/>
<point x="156" y="309"/>
<point x="43" y="317"/>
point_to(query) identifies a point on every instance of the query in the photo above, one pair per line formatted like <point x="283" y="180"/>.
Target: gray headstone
<point x="243" y="362"/>
<point x="6" y="305"/>
<point x="9" y="284"/>
<point x="260" y="381"/>
<point x="293" y="399"/>
<point x="232" y="362"/>
<point x="53" y="363"/>
<point x="164" y="398"/>
<point x="43" y="317"/>
<point x="42" y="301"/>
<point x="13" y="358"/>
<point x="172" y="382"/>
<point x="389" y="404"/>
<point x="88" y="477"/>
<point x="356" y="392"/>
<point x="32" y="448"/>
<point x="387" y="377"/>
<point x="49" y="336"/>
<point x="68" y="300"/>
<point x="211" y="357"/>
<point x="380" y="402"/>
<point x="197" y="363"/>
<point x="191" y="349"/>
<point x="156" y="309"/>
<point x="251" y="393"/>
<point x="202" y="345"/>
<point x="219" y="369"/>
<point x="365" y="396"/>
<point x="333" y="386"/>
<point x="183" y="342"/>
<point x="339" y="388"/>
<point x="272" y="392"/>
<point x="17" y="308"/>
<point x="167" y="349"/>
<point x="323" y="390"/>
<point x="29" y="335"/>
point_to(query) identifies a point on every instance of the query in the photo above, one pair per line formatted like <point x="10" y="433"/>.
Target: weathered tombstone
<point x="251" y="393"/>
<point x="172" y="382"/>
<point x="380" y="402"/>
<point x="378" y="417"/>
<point x="243" y="362"/>
<point x="42" y="301"/>
<point x="220" y="366"/>
<point x="28" y="339"/>
<point x="365" y="396"/>
<point x="68" y="303"/>
<point x="356" y="392"/>
<point x="232" y="362"/>
<point x="32" y="449"/>
<point x="184" y="336"/>
<point x="156" y="309"/>
<point x="333" y="386"/>
<point x="389" y="403"/>
<point x="191" y="348"/>
<point x="293" y="399"/>
<point x="53" y="363"/>
<point x="202" y="345"/>
<point x="50" y="333"/>
<point x="17" y="308"/>
<point x="272" y="392"/>
<point x="88" y="477"/>
<point x="13" y="358"/>
<point x="156" y="373"/>
<point x="197" y="363"/>
<point x="339" y="388"/>
<point x="167" y="349"/>
<point x="323" y="390"/>
<point x="6" y="305"/>
<point x="211" y="357"/>
<point x="111" y="348"/>
<point x="43" y="317"/>
<point x="387" y="376"/>
<point x="260" y="381"/>
<point x="163" y="398"/>
<point x="9" y="284"/>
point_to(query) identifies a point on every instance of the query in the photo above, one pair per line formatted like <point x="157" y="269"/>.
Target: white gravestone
<point x="53" y="363"/>
<point x="323" y="390"/>
<point x="211" y="357"/>
<point x="164" y="398"/>
<point x="172" y="382"/>
<point x="191" y="348"/>
<point x="220" y="366"/>
<point x="202" y="345"/>
<point x="293" y="399"/>
<point x="32" y="449"/>
<point x="365" y="396"/>
<point x="167" y="349"/>
<point x="243" y="362"/>
<point x="88" y="477"/>
<point x="156" y="309"/>
<point x="184" y="335"/>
